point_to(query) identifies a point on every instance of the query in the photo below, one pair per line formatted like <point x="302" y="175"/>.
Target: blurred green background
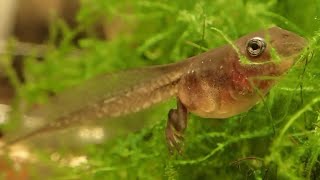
<point x="277" y="139"/>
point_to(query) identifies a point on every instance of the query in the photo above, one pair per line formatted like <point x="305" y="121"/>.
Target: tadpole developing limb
<point x="176" y="125"/>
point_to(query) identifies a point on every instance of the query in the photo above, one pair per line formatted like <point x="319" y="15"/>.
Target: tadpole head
<point x="271" y="52"/>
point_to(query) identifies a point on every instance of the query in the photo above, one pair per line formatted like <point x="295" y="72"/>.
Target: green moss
<point x="279" y="138"/>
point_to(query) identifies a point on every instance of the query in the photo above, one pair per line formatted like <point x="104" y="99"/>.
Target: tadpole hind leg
<point x="176" y="125"/>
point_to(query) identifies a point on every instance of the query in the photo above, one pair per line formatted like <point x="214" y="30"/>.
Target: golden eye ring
<point x="256" y="46"/>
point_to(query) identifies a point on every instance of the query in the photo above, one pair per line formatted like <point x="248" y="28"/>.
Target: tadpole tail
<point x="26" y="136"/>
<point x="104" y="97"/>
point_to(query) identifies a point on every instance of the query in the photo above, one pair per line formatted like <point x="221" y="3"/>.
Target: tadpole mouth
<point x="301" y="44"/>
<point x="297" y="54"/>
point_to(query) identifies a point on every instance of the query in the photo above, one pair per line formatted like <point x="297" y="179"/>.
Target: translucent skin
<point x="219" y="85"/>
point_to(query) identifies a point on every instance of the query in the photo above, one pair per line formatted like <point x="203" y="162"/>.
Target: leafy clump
<point x="278" y="138"/>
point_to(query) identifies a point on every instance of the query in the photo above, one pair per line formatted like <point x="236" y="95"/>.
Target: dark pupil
<point x="255" y="46"/>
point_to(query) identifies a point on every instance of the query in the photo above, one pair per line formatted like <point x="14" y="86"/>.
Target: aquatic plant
<point x="278" y="138"/>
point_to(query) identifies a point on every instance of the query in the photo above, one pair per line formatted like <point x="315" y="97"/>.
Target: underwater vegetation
<point x="277" y="139"/>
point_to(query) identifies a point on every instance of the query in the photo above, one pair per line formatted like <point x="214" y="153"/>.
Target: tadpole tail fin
<point x="26" y="136"/>
<point x="106" y="96"/>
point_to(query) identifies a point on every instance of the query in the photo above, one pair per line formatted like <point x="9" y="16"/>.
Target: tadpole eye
<point x="256" y="46"/>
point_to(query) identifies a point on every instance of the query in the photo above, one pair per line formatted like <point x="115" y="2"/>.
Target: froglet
<point x="220" y="83"/>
